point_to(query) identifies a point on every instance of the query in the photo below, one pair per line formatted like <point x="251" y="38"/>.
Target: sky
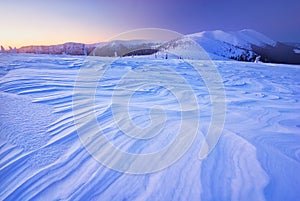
<point x="44" y="22"/>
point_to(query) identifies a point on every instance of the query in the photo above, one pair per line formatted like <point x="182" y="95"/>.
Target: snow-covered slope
<point x="42" y="157"/>
<point x="231" y="45"/>
<point x="243" y="39"/>
<point x="216" y="49"/>
<point x="244" y="45"/>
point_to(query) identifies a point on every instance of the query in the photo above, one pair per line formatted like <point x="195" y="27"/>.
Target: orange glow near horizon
<point x="32" y="22"/>
<point x="24" y="23"/>
<point x="20" y="41"/>
<point x="13" y="39"/>
<point x="18" y="38"/>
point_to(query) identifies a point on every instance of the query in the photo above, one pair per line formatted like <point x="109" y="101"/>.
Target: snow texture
<point x="42" y="158"/>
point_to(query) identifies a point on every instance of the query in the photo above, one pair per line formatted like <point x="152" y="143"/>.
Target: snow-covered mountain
<point x="231" y="45"/>
<point x="244" y="45"/>
<point x="126" y="48"/>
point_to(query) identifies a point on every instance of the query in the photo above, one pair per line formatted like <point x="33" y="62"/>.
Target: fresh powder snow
<point x="42" y="158"/>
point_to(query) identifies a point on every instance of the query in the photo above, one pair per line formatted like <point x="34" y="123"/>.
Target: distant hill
<point x="127" y="48"/>
<point x="67" y="48"/>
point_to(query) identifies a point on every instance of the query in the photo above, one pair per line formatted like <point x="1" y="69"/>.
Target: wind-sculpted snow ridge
<point x="42" y="158"/>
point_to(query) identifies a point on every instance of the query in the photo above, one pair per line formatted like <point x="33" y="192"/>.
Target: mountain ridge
<point x="243" y="45"/>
